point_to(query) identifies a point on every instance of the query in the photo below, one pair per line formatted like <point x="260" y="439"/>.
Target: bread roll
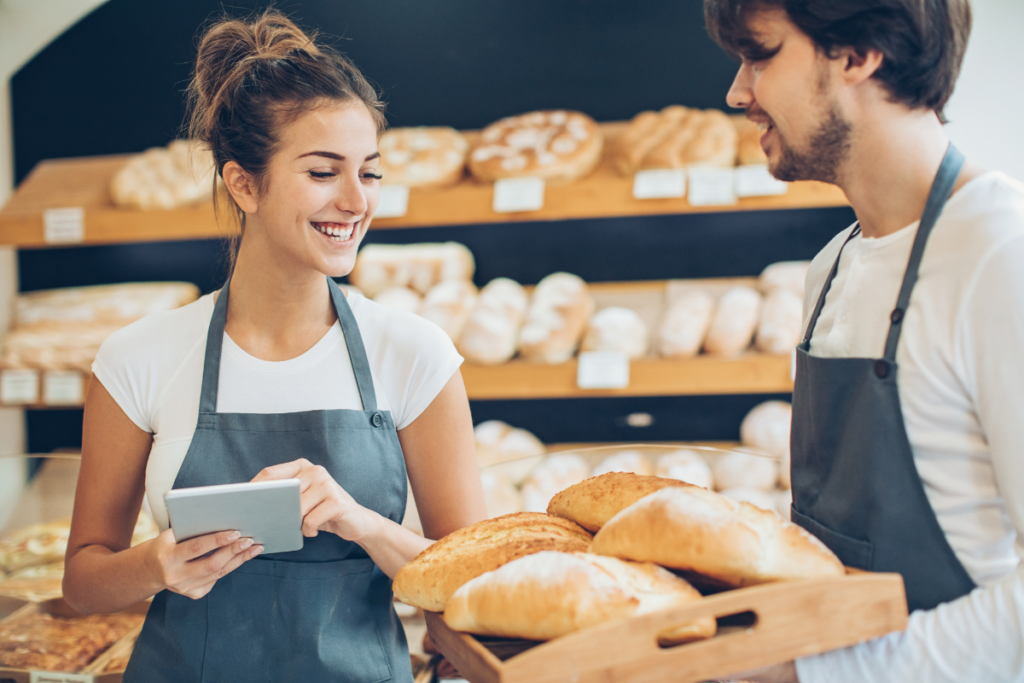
<point x="559" y="146"/>
<point x="402" y="298"/>
<point x="685" y="324"/>
<point x="558" y="315"/>
<point x="676" y="137"/>
<point x="500" y="495"/>
<point x="518" y="454"/>
<point x="781" y="324"/>
<point x="766" y="428"/>
<point x="744" y="470"/>
<point x="748" y="142"/>
<point x="692" y="529"/>
<point x="165" y="177"/>
<point x="552" y="594"/>
<point x="422" y="156"/>
<point x="556" y="473"/>
<point x="488" y="435"/>
<point x="687" y="466"/>
<point x="448" y="305"/>
<point x="593" y="502"/>
<point x="633" y="462"/>
<point x="417" y="266"/>
<point x="616" y="329"/>
<point x="735" y="320"/>
<point x="788" y="275"/>
<point x="430" y="579"/>
<point x="491" y="334"/>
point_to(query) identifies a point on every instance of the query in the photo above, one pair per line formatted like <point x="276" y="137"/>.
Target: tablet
<point x="268" y="512"/>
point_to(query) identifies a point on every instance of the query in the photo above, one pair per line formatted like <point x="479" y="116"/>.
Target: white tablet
<point x="268" y="512"/>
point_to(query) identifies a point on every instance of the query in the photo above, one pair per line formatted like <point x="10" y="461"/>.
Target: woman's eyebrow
<point x="336" y="157"/>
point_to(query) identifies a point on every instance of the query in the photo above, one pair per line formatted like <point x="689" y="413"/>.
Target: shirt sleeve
<point x="979" y="637"/>
<point x="113" y="367"/>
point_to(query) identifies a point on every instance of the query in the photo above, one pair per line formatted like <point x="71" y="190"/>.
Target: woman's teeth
<point x="339" y="232"/>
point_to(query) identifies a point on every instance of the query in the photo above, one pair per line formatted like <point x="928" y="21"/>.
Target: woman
<point x="290" y="379"/>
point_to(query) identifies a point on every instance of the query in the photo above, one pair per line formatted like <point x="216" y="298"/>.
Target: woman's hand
<point x="192" y="567"/>
<point x="325" y="505"/>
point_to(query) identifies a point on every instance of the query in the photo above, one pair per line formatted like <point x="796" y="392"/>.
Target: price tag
<point x="63" y="388"/>
<point x="602" y="370"/>
<point x="51" y="677"/>
<point x="710" y="186"/>
<point x="756" y="181"/>
<point x="659" y="183"/>
<point x="64" y="226"/>
<point x="518" y="194"/>
<point x="18" y="387"/>
<point x="394" y="201"/>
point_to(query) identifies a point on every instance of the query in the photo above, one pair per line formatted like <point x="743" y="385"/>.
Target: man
<point x="908" y="410"/>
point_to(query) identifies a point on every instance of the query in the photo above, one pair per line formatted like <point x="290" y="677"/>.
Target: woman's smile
<point x="337" y="233"/>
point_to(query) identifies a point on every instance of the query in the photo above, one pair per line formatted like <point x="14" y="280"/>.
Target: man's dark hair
<point x="922" y="41"/>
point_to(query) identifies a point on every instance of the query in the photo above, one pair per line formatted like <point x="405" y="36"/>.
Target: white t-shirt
<point x="154" y="369"/>
<point x="961" y="389"/>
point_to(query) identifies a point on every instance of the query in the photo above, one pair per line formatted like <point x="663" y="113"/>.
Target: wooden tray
<point x="778" y="622"/>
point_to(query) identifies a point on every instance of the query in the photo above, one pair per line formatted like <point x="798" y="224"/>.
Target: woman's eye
<point x="372" y="176"/>
<point x="321" y="175"/>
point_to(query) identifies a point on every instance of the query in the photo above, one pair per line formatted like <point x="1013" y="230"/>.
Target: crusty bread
<point x="748" y="143"/>
<point x="491" y="335"/>
<point x="676" y="137"/>
<point x="422" y="156"/>
<point x="592" y="502"/>
<point x="735" y="320"/>
<point x="559" y="312"/>
<point x="448" y="305"/>
<point x="617" y="329"/>
<point x="551" y="594"/>
<point x="781" y="324"/>
<point x="692" y="529"/>
<point x="685" y="324"/>
<point x="431" y="578"/>
<point x="685" y="465"/>
<point x="417" y="266"/>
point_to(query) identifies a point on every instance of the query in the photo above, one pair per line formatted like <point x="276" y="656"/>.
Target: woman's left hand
<point x="325" y="505"/>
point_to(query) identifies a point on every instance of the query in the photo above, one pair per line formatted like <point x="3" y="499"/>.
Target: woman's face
<point x="321" y="188"/>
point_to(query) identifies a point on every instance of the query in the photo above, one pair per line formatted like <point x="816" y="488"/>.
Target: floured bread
<point x="448" y="305"/>
<point x="766" y="428"/>
<point x="676" y="137"/>
<point x="558" y="146"/>
<point x="616" y="329"/>
<point x="430" y="579"/>
<point x="781" y="324"/>
<point x="552" y="594"/>
<point x="593" y="502"/>
<point x="685" y="324"/>
<point x="507" y="452"/>
<point x="165" y="177"/>
<point x="491" y="335"/>
<point x="685" y="465"/>
<point x="422" y="156"/>
<point x="748" y="142"/>
<point x="732" y="327"/>
<point x="692" y="529"/>
<point x="417" y="266"/>
<point x="556" y="320"/>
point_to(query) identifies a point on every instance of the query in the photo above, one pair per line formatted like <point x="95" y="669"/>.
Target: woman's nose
<point x="351" y="195"/>
<point x="741" y="93"/>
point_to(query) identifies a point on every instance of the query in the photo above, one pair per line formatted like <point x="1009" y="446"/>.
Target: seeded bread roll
<point x="491" y="334"/>
<point x="692" y="529"/>
<point x="417" y="266"/>
<point x="552" y="594"/>
<point x="616" y="329"/>
<point x="685" y="324"/>
<point x="422" y="157"/>
<point x="593" y="502"/>
<point x="430" y="579"/>
<point x="559" y="312"/>
<point x="686" y="465"/>
<point x="781" y="324"/>
<point x="448" y="305"/>
<point x="734" y="323"/>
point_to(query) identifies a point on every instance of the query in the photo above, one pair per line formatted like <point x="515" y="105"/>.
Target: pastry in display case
<point x="422" y="157"/>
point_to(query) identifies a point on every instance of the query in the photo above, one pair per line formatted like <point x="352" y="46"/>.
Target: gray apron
<point x="855" y="484"/>
<point x="323" y="613"/>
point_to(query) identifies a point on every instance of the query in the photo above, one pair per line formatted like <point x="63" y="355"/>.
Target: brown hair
<point x="922" y="41"/>
<point x="253" y="76"/>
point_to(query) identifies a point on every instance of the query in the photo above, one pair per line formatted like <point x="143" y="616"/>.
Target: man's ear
<point x="858" y="67"/>
<point x="241" y="186"/>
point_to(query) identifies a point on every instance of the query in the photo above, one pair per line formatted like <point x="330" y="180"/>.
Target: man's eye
<point x="321" y="174"/>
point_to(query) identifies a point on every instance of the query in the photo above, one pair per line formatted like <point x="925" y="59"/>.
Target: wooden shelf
<point x="84" y="182"/>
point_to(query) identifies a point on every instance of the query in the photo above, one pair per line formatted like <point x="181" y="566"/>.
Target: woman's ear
<point x="241" y="186"/>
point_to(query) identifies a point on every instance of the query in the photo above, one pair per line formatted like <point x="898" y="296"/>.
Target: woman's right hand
<point x="192" y="567"/>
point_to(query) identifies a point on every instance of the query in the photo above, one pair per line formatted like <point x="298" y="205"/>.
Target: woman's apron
<point x="322" y="613"/>
<point x="855" y="484"/>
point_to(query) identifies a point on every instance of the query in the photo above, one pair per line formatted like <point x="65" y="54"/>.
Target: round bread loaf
<point x="165" y="177"/>
<point x="616" y="329"/>
<point x="558" y="315"/>
<point x="766" y="428"/>
<point x="500" y="494"/>
<point x="686" y="465"/>
<point x="591" y="503"/>
<point x="685" y="324"/>
<point x="448" y="305"/>
<point x="555" y="473"/>
<point x="692" y="529"/>
<point x="781" y="324"/>
<point x="745" y="470"/>
<point x="491" y="335"/>
<point x="422" y="156"/>
<point x="624" y="461"/>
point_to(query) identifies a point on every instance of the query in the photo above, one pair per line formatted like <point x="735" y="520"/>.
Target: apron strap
<point x="824" y="290"/>
<point x="356" y="350"/>
<point x="942" y="188"/>
<point x="214" y="346"/>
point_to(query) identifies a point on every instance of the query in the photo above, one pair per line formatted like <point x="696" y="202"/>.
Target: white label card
<point x="710" y="186"/>
<point x="518" y="194"/>
<point x="51" y="677"/>
<point x="63" y="388"/>
<point x="602" y="370"/>
<point x="64" y="226"/>
<point x="756" y="181"/>
<point x="19" y="386"/>
<point x="659" y="183"/>
<point x="394" y="201"/>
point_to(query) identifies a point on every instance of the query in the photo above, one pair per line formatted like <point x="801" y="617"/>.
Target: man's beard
<point x="826" y="152"/>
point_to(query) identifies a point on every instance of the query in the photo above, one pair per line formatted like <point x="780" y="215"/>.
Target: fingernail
<point x="257" y="550"/>
<point x="246" y="543"/>
<point x="233" y="535"/>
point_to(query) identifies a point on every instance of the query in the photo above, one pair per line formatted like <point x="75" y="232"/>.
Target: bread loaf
<point x="756" y="497"/>
<point x="744" y="470"/>
<point x="676" y="137"/>
<point x="500" y="494"/>
<point x="417" y="266"/>
<point x="748" y="142"/>
<point x="559" y="146"/>
<point x="558" y="315"/>
<point x="766" y="428"/>
<point x="430" y="579"/>
<point x="781" y="323"/>
<point x="552" y="594"/>
<point x="734" y="323"/>
<point x="422" y="156"/>
<point x="448" y="305"/>
<point x="616" y="329"/>
<point x="687" y="466"/>
<point x="402" y="298"/>
<point x="555" y="474"/>
<point x="788" y="275"/>
<point x="509" y="453"/>
<point x="593" y="502"/>
<point x="165" y="177"/>
<point x="685" y="324"/>
<point x="491" y="334"/>
<point x="692" y="529"/>
<point x="624" y="461"/>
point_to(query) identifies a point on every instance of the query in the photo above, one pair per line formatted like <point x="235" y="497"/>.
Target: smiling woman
<point x="292" y="378"/>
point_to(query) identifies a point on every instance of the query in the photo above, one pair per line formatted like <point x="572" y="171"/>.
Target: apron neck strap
<point x="349" y="328"/>
<point x="824" y="290"/>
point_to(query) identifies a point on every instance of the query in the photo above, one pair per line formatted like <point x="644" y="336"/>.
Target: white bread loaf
<point x="559" y="312"/>
<point x="422" y="156"/>
<point x="766" y="428"/>
<point x="491" y="334"/>
<point x="616" y="329"/>
<point x="734" y="322"/>
<point x="417" y="266"/>
<point x="685" y="465"/>
<point x="165" y="177"/>
<point x="591" y="503"/>
<point x="555" y="474"/>
<point x="788" y="275"/>
<point x="430" y="579"/>
<point x="488" y="435"/>
<point x="781" y="324"/>
<point x="685" y="324"/>
<point x="745" y="470"/>
<point x="448" y="305"/>
<point x="402" y="298"/>
<point x="633" y="462"/>
<point x="692" y="529"/>
<point x="516" y="455"/>
<point x="552" y="594"/>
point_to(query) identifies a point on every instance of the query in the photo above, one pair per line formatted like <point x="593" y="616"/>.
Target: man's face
<point x="787" y="86"/>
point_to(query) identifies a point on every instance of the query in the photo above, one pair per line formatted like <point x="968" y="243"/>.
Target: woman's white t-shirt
<point x="154" y="367"/>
